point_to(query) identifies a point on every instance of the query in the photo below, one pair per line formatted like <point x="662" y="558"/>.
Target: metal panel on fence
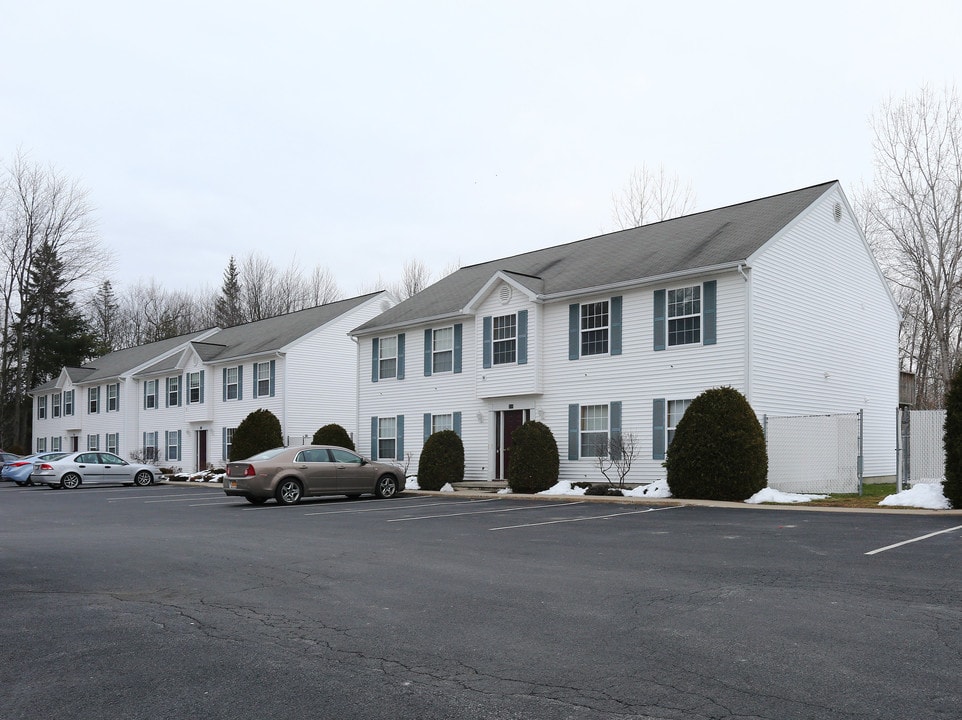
<point x="926" y="449"/>
<point x="814" y="453"/>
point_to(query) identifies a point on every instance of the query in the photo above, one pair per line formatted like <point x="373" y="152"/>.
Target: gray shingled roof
<point x="703" y="240"/>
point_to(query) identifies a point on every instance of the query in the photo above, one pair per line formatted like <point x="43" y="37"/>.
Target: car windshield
<point x="267" y="454"/>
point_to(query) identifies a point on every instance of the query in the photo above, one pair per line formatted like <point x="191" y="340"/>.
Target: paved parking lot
<point x="176" y="602"/>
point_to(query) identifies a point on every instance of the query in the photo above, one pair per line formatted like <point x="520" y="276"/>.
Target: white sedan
<point x="82" y="468"/>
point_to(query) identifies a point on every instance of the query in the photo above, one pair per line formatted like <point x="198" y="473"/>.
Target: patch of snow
<point x="656" y="489"/>
<point x="928" y="496"/>
<point x="504" y="491"/>
<point x="411" y="483"/>
<point x="771" y="495"/>
<point x="447" y="488"/>
<point x="562" y="487"/>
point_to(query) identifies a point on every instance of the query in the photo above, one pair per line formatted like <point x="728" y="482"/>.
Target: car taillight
<point x="249" y="471"/>
<point x="21" y="463"/>
<point x="45" y="466"/>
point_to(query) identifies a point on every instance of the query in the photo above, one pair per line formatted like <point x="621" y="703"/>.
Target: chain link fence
<point x="815" y="453"/>
<point x="921" y="447"/>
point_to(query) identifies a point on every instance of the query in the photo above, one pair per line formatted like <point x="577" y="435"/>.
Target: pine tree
<point x="227" y="306"/>
<point x="103" y="320"/>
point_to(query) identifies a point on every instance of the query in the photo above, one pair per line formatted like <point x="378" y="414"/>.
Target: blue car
<point x="19" y="470"/>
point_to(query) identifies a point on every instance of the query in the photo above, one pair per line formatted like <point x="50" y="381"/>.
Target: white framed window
<point x="173" y="391"/>
<point x="113" y="397"/>
<point x="262" y="379"/>
<point x="93" y="442"/>
<point x="56" y="444"/>
<point x="172" y="442"/>
<point x="387" y="437"/>
<point x="595" y="326"/>
<point x="387" y="357"/>
<point x="41" y="407"/>
<point x="674" y="410"/>
<point x="231" y="383"/>
<point x="41" y="444"/>
<point x="93" y="400"/>
<point x="442" y="354"/>
<point x="594" y="431"/>
<point x="442" y="422"/>
<point x="150" y="394"/>
<point x="195" y="387"/>
<point x="228" y="441"/>
<point x="684" y="316"/>
<point x="68" y="402"/>
<point x="112" y="443"/>
<point x="150" y="446"/>
<point x="504" y="337"/>
<point x="55" y="403"/>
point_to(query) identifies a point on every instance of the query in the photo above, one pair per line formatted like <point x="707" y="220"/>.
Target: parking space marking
<point x="913" y="540"/>
<point x="165" y="496"/>
<point x="486" y="512"/>
<point x="393" y="506"/>
<point x="590" y="517"/>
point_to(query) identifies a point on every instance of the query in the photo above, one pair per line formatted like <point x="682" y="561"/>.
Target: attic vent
<point x="837" y="210"/>
<point x="504" y="294"/>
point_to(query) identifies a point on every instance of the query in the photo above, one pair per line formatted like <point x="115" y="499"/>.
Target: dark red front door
<point x="201" y="450"/>
<point x="508" y="422"/>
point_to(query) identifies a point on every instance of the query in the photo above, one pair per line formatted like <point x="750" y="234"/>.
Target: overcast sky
<point x="358" y="135"/>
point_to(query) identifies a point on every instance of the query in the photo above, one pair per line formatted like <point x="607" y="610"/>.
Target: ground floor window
<point x="93" y="442"/>
<point x="113" y="441"/>
<point x="56" y="444"/>
<point x="150" y="446"/>
<point x="41" y="445"/>
<point x="594" y="430"/>
<point x="387" y="437"/>
<point x="172" y="441"/>
<point x="676" y="409"/>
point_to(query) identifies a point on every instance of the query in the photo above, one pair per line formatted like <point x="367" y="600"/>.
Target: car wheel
<point x="386" y="486"/>
<point x="70" y="481"/>
<point x="288" y="492"/>
<point x="143" y="478"/>
<point x="254" y="500"/>
<point x="20" y="484"/>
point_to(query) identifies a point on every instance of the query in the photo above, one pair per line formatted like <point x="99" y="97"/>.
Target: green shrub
<point x="535" y="462"/>
<point x="718" y="451"/>
<point x="952" y="485"/>
<point x="259" y="431"/>
<point x="442" y="460"/>
<point x="333" y="434"/>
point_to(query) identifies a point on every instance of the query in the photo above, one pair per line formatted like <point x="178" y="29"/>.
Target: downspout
<point x="748" y="332"/>
<point x="357" y="392"/>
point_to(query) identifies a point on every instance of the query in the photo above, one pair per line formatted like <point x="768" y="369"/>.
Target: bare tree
<point x="616" y="456"/>
<point x="913" y="219"/>
<point x="415" y="276"/>
<point x="322" y="287"/>
<point x="651" y="195"/>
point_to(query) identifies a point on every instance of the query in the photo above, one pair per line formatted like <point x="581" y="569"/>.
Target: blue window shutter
<point x="224" y="385"/>
<point x="145" y="441"/>
<point x="145" y="395"/>
<point x="167" y="443"/>
<point x="709" y="334"/>
<point x="373" y="437"/>
<point x="166" y="392"/>
<point x="272" y="378"/>
<point x="427" y="426"/>
<point x="254" y="391"/>
<point x="223" y="443"/>
<point x="428" y="351"/>
<point x="615" y="346"/>
<point x="660" y="311"/>
<point x="457" y="423"/>
<point x="181" y="384"/>
<point x="240" y="382"/>
<point x="399" y="455"/>
<point x="486" y="334"/>
<point x="202" y="386"/>
<point x="375" y="358"/>
<point x="180" y="448"/>
<point x="574" y="426"/>
<point x="658" y="429"/>
<point x="522" y="337"/>
<point x="574" y="332"/>
<point x="614" y="423"/>
<point x="400" y="356"/>
<point x="458" y="333"/>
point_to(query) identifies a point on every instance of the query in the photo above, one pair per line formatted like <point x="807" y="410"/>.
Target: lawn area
<point x="871" y="495"/>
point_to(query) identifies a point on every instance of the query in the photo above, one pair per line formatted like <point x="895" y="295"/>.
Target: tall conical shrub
<point x="952" y="484"/>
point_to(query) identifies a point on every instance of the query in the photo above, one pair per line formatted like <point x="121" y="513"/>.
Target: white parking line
<point x="590" y="517"/>
<point x="906" y="542"/>
<point x="142" y="497"/>
<point x="486" y="512"/>
<point x="393" y="506"/>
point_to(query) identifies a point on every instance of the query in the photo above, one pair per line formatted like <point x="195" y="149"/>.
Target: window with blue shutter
<point x="685" y="316"/>
<point x="574" y="434"/>
<point x="486" y="339"/>
<point x="522" y="337"/>
<point x="658" y="429"/>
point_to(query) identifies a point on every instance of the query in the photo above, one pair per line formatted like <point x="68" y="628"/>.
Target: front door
<point x="201" y="450"/>
<point x="507" y="421"/>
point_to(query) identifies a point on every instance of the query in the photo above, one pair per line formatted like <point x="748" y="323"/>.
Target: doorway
<point x="201" y="454"/>
<point x="506" y="422"/>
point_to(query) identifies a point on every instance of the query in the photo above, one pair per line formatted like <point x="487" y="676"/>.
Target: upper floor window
<point x="232" y="383"/>
<point x="195" y="387"/>
<point x="504" y="339"/>
<point x="150" y="395"/>
<point x="68" y="402"/>
<point x="41" y="407"/>
<point x="442" y="353"/>
<point x="113" y="397"/>
<point x="387" y="357"/>
<point x="594" y="328"/>
<point x="173" y="391"/>
<point x="55" y="402"/>
<point x="93" y="400"/>
<point x="263" y="379"/>
<point x="684" y="316"/>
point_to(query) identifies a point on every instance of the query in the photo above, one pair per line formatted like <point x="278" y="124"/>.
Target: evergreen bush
<point x="333" y="434"/>
<point x="718" y="451"/>
<point x="535" y="462"/>
<point x="952" y="484"/>
<point x="259" y="431"/>
<point x="442" y="460"/>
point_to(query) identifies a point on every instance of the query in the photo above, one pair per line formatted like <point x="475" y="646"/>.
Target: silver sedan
<point x="90" y="467"/>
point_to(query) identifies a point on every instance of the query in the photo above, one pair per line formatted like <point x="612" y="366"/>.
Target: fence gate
<point x="921" y="447"/>
<point x="815" y="453"/>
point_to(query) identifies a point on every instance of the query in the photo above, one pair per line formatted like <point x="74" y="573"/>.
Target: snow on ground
<point x="563" y="487"/>
<point x="771" y="495"/>
<point x="921" y="495"/>
<point x="656" y="489"/>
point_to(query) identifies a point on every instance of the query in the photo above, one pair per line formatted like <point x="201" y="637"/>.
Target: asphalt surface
<point x="178" y="602"/>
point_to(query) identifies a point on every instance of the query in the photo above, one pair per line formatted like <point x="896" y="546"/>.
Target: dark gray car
<point x="288" y="474"/>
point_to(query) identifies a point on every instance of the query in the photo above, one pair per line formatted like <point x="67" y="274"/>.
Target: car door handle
<point x="82" y="466"/>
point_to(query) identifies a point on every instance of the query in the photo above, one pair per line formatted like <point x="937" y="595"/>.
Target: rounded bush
<point x="259" y="431"/>
<point x="718" y="451"/>
<point x="442" y="460"/>
<point x="952" y="484"/>
<point x="535" y="462"/>
<point x="333" y="434"/>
